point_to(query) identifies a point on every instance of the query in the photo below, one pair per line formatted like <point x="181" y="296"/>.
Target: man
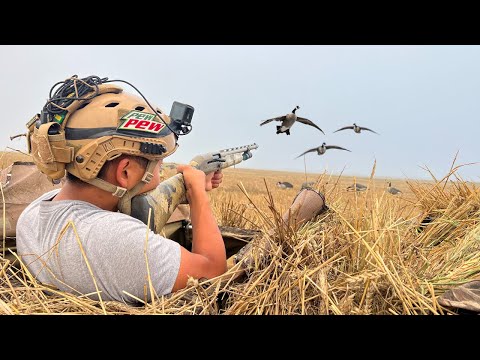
<point x="111" y="145"/>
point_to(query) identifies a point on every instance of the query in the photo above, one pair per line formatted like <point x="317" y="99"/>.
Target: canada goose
<point x="288" y="121"/>
<point x="322" y="149"/>
<point x="357" y="187"/>
<point x="392" y="190"/>
<point x="356" y="128"/>
<point x="284" y="185"/>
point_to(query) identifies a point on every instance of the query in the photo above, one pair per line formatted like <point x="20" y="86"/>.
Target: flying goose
<point x="392" y="190"/>
<point x="322" y="149"/>
<point x="355" y="128"/>
<point x="288" y="121"/>
<point x="284" y="185"/>
<point x="357" y="187"/>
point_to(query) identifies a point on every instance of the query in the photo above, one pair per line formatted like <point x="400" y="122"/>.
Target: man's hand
<point x="213" y="180"/>
<point x="195" y="179"/>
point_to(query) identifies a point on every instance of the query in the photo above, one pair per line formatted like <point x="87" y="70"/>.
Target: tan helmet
<point x="96" y="127"/>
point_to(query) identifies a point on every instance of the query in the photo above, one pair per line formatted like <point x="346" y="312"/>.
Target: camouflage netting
<point x="21" y="182"/>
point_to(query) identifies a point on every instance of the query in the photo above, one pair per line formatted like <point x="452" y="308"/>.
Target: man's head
<point x="88" y="126"/>
<point x="121" y="171"/>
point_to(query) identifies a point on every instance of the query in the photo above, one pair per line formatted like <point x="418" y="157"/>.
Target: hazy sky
<point x="423" y="100"/>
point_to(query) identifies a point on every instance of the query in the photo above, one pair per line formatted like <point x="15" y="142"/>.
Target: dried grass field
<point x="366" y="255"/>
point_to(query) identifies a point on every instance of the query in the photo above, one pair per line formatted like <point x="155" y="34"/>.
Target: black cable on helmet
<point x="74" y="89"/>
<point x="63" y="96"/>
<point x="151" y="107"/>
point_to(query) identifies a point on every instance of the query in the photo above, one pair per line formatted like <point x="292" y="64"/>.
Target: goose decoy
<point x="308" y="185"/>
<point x="357" y="187"/>
<point x="392" y="190"/>
<point x="288" y="121"/>
<point x="284" y="185"/>
<point x="356" y="128"/>
<point x="322" y="149"/>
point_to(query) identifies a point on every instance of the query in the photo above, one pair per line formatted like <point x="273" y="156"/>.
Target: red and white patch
<point x="141" y="121"/>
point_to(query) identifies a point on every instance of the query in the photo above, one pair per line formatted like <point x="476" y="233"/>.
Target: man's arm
<point x="208" y="256"/>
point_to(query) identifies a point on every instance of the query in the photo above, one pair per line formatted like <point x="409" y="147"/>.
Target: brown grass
<point x="364" y="256"/>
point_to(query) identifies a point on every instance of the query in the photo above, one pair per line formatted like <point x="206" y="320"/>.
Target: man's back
<point x="82" y="247"/>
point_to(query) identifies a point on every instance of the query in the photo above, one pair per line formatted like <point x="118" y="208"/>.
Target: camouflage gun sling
<point x="164" y="199"/>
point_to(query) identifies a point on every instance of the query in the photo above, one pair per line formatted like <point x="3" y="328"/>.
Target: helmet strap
<point x="104" y="185"/>
<point x="125" y="202"/>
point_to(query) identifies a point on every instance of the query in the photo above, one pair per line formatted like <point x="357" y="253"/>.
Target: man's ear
<point x="123" y="171"/>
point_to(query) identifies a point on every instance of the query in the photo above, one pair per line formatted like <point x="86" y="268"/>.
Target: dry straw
<point x="367" y="255"/>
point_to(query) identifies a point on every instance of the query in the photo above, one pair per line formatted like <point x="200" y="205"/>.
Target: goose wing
<point x="364" y="128"/>
<point x="308" y="122"/>
<point x="344" y="128"/>
<point x="279" y="118"/>
<point x="314" y="149"/>
<point x="336" y="147"/>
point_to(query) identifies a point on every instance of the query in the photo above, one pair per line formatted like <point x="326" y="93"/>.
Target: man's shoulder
<point x="34" y="205"/>
<point x="116" y="218"/>
<point x="46" y="196"/>
<point x="116" y="226"/>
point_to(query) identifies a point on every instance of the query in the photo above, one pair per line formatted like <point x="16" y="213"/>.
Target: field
<point x="367" y="254"/>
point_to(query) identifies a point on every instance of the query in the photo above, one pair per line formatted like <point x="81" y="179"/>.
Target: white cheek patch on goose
<point x="140" y="121"/>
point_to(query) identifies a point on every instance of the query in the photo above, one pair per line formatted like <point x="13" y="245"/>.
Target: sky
<point x="423" y="100"/>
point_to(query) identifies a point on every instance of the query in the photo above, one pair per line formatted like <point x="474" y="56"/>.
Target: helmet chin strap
<point x="125" y="202"/>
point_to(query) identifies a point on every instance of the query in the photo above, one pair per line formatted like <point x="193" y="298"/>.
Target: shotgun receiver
<point x="164" y="199"/>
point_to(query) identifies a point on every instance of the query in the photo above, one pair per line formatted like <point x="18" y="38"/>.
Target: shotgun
<point x="164" y="199"/>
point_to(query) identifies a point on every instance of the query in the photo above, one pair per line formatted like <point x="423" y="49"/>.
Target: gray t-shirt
<point x="56" y="239"/>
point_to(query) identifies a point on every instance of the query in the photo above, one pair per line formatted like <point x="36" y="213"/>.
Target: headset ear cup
<point x="49" y="150"/>
<point x="40" y="147"/>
